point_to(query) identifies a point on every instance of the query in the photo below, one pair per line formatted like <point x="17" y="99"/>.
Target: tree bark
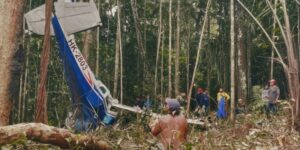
<point x="232" y="63"/>
<point x="98" y="46"/>
<point x="273" y="39"/>
<point x="170" y="51"/>
<point x="177" y="74"/>
<point x="121" y="51"/>
<point x="11" y="12"/>
<point x="242" y="81"/>
<point x="41" y="103"/>
<point x="158" y="47"/>
<point x="48" y="134"/>
<point x="117" y="55"/>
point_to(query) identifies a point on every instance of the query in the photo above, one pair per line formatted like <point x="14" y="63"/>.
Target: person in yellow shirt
<point x="221" y="94"/>
<point x="222" y="97"/>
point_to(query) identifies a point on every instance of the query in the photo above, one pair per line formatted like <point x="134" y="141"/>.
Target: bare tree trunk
<point x="242" y="81"/>
<point x="162" y="67"/>
<point x="249" y="49"/>
<point x="177" y="81"/>
<point x="25" y="88"/>
<point x="170" y="51"/>
<point x="197" y="57"/>
<point x="51" y="135"/>
<point x="232" y="63"/>
<point x="11" y="12"/>
<point x="273" y="39"/>
<point x="20" y="99"/>
<point x="139" y="40"/>
<point x="188" y="61"/>
<point x="158" y="46"/>
<point x="117" y="54"/>
<point x="41" y="103"/>
<point x="121" y="51"/>
<point x="98" y="46"/>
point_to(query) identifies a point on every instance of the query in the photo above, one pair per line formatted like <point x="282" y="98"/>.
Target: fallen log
<point x="42" y="133"/>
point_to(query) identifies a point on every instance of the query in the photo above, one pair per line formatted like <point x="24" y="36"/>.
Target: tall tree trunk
<point x="162" y="66"/>
<point x="232" y="62"/>
<point x="41" y="103"/>
<point x="242" y="81"/>
<point x="20" y="99"/>
<point x="121" y="51"/>
<point x="139" y="42"/>
<point x="197" y="57"/>
<point x="11" y="12"/>
<point x="249" y="49"/>
<point x="177" y="81"/>
<point x="158" y="46"/>
<point x="117" y="54"/>
<point x="170" y="52"/>
<point x="98" y="45"/>
<point x="273" y="39"/>
<point x="188" y="61"/>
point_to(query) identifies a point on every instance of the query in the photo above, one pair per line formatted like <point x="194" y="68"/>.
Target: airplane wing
<point x="75" y="16"/>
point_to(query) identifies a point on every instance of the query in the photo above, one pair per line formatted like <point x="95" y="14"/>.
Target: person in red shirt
<point x="171" y="128"/>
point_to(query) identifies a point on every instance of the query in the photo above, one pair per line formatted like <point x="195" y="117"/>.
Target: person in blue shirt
<point x="202" y="99"/>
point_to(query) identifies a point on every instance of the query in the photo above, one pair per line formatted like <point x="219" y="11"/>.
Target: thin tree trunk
<point x="249" y="49"/>
<point x="98" y="46"/>
<point x="242" y="81"/>
<point x="232" y="63"/>
<point x="41" y="104"/>
<point x="188" y="61"/>
<point x="162" y="67"/>
<point x="139" y="41"/>
<point x="170" y="52"/>
<point x="20" y="99"/>
<point x="121" y="51"/>
<point x="11" y="12"/>
<point x="197" y="57"/>
<point x="158" y="46"/>
<point x="117" y="55"/>
<point x="25" y="104"/>
<point x="273" y="39"/>
<point x="177" y="81"/>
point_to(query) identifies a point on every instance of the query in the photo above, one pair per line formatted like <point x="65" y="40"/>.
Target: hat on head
<point x="173" y="104"/>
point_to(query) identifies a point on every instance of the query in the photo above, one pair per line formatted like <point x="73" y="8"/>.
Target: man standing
<point x="171" y="128"/>
<point x="273" y="95"/>
<point x="202" y="101"/>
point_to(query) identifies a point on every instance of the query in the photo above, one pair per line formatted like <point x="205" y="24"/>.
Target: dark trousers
<point x="270" y="108"/>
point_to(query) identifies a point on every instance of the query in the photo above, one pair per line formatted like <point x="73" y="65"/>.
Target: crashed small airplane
<point x="93" y="102"/>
